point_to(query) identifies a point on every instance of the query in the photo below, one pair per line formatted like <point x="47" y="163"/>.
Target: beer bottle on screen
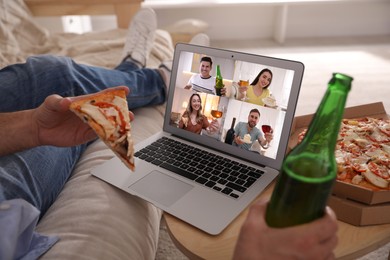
<point x="230" y="133"/>
<point x="309" y="170"/>
<point x="218" y="82"/>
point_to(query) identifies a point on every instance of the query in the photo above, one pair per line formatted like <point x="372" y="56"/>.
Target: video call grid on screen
<point x="235" y="66"/>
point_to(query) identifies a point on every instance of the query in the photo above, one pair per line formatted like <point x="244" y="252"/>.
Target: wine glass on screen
<point x="243" y="85"/>
<point x="216" y="113"/>
<point x="267" y="129"/>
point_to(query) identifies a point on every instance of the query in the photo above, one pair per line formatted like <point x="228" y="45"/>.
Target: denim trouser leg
<point x="38" y="175"/>
<point x="25" y="86"/>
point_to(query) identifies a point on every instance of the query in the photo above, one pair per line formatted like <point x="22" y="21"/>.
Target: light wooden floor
<point x="367" y="60"/>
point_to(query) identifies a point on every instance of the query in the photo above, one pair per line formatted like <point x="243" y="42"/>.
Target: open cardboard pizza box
<point x="353" y="204"/>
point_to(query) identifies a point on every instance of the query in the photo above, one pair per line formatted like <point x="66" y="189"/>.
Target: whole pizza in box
<point x="363" y="152"/>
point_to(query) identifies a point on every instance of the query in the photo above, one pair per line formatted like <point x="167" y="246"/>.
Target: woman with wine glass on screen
<point x="193" y="119"/>
<point x="258" y="90"/>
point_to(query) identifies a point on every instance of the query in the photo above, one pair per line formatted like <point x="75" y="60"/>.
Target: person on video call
<point x="258" y="89"/>
<point x="244" y="128"/>
<point x="193" y="119"/>
<point x="203" y="82"/>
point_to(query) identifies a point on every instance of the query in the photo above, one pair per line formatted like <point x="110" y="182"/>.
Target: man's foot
<point x="140" y="36"/>
<point x="200" y="39"/>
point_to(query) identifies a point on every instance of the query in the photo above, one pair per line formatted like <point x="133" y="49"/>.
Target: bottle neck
<point x="323" y="130"/>
<point x="218" y="71"/>
<point x="233" y="122"/>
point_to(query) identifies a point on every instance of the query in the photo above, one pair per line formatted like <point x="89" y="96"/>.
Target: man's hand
<point x="238" y="140"/>
<point x="315" y="240"/>
<point x="56" y="125"/>
<point x="223" y="91"/>
<point x="269" y="136"/>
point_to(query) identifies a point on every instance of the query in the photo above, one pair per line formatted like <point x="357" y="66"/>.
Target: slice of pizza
<point x="108" y="115"/>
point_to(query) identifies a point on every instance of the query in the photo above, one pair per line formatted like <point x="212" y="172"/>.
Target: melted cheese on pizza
<point x="99" y="117"/>
<point x="112" y="118"/>
<point x="363" y="142"/>
<point x="363" y="152"/>
<point x="107" y="113"/>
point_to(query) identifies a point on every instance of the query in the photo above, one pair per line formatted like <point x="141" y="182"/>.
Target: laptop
<point x="197" y="177"/>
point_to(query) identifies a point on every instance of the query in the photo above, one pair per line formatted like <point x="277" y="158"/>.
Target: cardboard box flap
<point x="369" y="110"/>
<point x="361" y="194"/>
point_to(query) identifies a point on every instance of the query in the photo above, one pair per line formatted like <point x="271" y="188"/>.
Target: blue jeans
<point x="37" y="175"/>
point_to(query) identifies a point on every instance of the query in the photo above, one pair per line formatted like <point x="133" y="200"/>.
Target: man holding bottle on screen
<point x="203" y="82"/>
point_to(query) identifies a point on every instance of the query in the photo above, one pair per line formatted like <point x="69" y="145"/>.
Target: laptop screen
<point x="260" y="95"/>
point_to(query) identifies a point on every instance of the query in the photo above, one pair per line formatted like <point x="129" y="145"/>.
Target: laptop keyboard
<point x="213" y="171"/>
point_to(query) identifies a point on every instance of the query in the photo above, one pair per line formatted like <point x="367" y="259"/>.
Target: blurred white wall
<point x="267" y="20"/>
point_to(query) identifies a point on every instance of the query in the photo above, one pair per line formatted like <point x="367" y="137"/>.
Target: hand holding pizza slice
<point x="107" y="114"/>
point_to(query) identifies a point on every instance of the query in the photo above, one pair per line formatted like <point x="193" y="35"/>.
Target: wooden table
<point x="195" y="244"/>
<point x="123" y="9"/>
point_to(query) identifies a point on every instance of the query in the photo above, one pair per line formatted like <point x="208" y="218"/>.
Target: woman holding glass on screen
<point x="258" y="90"/>
<point x="193" y="119"/>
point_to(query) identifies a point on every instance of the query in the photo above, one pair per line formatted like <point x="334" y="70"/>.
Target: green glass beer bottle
<point x="218" y="82"/>
<point x="309" y="170"/>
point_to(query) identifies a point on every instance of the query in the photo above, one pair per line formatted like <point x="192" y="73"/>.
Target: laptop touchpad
<point x="161" y="188"/>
